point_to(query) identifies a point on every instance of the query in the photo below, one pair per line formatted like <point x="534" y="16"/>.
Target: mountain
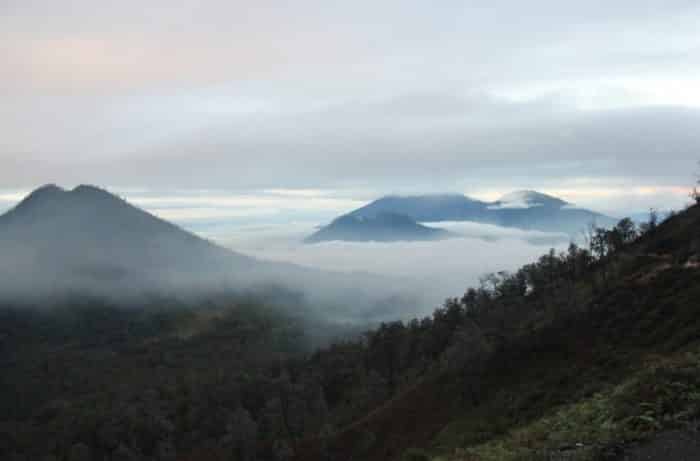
<point x="528" y="210"/>
<point x="425" y="208"/>
<point x="87" y="241"/>
<point x="380" y="227"/>
<point x="527" y="199"/>
<point x="87" y="238"/>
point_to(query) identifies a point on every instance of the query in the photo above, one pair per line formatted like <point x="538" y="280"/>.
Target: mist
<point x="426" y="272"/>
<point x="61" y="244"/>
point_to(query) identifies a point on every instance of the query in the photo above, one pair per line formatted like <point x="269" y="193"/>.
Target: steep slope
<point x="581" y="367"/>
<point x="380" y="227"/>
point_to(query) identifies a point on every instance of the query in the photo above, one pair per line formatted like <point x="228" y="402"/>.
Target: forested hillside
<point x="570" y="357"/>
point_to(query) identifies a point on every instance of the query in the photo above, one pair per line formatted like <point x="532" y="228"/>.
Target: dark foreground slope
<point x="599" y="354"/>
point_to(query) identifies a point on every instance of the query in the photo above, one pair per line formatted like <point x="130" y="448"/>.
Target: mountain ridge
<point x="382" y="227"/>
<point x="525" y="209"/>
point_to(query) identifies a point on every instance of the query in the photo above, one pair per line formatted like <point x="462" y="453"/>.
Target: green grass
<point x="662" y="393"/>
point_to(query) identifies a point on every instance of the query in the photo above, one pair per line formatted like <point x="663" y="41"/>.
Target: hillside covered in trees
<point x="574" y="356"/>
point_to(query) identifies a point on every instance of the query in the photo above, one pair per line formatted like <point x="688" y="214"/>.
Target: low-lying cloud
<point x="439" y="269"/>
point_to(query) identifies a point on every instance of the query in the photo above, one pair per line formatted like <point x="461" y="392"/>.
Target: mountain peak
<point x="528" y="199"/>
<point x="87" y="190"/>
<point x="428" y="198"/>
<point x="51" y="198"/>
<point x="421" y="208"/>
<point x="47" y="190"/>
<point x="436" y="195"/>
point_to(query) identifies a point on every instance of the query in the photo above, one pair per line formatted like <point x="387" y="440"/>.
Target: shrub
<point x="415" y="454"/>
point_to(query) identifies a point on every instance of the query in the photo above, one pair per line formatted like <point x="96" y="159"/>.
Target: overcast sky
<point x="331" y="103"/>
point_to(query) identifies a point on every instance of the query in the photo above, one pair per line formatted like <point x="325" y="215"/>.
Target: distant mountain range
<point x="527" y="210"/>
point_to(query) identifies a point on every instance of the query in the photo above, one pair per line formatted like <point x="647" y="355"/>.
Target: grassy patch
<point x="664" y="393"/>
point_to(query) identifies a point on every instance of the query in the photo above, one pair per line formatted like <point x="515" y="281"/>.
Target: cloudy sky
<point x="200" y="110"/>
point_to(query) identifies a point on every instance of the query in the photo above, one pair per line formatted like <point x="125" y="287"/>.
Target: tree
<point x="470" y="302"/>
<point x="577" y="261"/>
<point x="600" y="243"/>
<point x="467" y="355"/>
<point x="79" y="452"/>
<point x="386" y="346"/>
<point x="627" y="230"/>
<point x="651" y="223"/>
<point x="241" y="435"/>
<point x="695" y="194"/>
<point x="622" y="234"/>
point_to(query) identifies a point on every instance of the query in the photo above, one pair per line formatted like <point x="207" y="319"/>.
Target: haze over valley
<point x="103" y="251"/>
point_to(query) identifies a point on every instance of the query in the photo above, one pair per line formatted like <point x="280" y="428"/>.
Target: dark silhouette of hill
<point x="380" y="227"/>
<point x="583" y="355"/>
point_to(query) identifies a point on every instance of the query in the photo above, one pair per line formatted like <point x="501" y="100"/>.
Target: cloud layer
<point x="440" y="268"/>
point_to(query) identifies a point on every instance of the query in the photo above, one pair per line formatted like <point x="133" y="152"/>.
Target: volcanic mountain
<point x="56" y="240"/>
<point x="527" y="210"/>
<point x="381" y="227"/>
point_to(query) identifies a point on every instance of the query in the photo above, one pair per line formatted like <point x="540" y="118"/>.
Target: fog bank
<point x="437" y="269"/>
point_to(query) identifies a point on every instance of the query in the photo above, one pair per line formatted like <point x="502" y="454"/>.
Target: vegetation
<point x="563" y="359"/>
<point x="568" y="356"/>
<point x="695" y="193"/>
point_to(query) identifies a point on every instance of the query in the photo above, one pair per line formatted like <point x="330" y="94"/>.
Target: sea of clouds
<point x="443" y="268"/>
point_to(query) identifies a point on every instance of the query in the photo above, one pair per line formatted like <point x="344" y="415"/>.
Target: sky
<point x="266" y="111"/>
